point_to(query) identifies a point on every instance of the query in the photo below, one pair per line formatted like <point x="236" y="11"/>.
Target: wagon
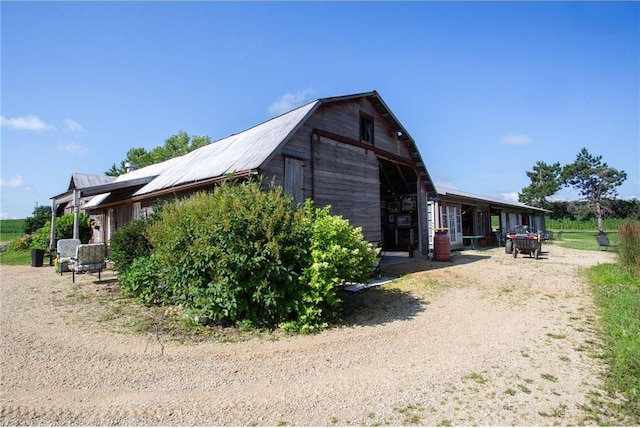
<point x="522" y="241"/>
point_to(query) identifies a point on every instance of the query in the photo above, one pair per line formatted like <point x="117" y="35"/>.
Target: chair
<point x="603" y="240"/>
<point x="65" y="250"/>
<point x="498" y="238"/>
<point x="89" y="258"/>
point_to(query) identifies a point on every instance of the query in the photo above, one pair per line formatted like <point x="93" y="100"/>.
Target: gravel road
<point x="484" y="340"/>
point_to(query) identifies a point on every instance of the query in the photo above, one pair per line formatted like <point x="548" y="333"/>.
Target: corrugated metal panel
<point x="455" y="192"/>
<point x="239" y="152"/>
<point x="79" y="180"/>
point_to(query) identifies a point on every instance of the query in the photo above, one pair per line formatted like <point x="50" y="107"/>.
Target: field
<point x="11" y="229"/>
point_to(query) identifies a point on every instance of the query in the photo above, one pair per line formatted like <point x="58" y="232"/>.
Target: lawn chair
<point x="65" y="250"/>
<point x="89" y="258"/>
<point x="603" y="240"/>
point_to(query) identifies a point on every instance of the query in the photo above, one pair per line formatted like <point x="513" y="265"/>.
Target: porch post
<point x="52" y="232"/>
<point x="76" y="214"/>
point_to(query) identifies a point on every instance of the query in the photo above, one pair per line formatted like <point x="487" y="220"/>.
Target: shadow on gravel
<point x="398" y="266"/>
<point x="376" y="306"/>
<point x="381" y="305"/>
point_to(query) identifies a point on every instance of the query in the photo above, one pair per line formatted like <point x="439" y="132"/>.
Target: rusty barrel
<point x="441" y="246"/>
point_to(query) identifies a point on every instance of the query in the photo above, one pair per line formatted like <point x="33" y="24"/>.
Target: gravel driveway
<point x="484" y="340"/>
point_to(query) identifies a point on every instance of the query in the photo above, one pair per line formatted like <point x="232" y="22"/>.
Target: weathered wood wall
<point x="337" y="173"/>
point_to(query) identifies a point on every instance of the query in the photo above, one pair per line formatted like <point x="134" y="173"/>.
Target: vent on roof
<point x="129" y="166"/>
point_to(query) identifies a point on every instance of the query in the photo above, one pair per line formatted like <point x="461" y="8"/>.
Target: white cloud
<point x="15" y="181"/>
<point x="24" y="123"/>
<point x="72" y="125"/>
<point x="509" y="196"/>
<point x="516" y="140"/>
<point x="447" y="184"/>
<point x="288" y="102"/>
<point x="72" y="148"/>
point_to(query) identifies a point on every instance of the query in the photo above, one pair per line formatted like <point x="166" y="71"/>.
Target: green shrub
<point x="629" y="246"/>
<point x="128" y="244"/>
<point x="234" y="254"/>
<point x="339" y="254"/>
<point x="64" y="230"/>
<point x="64" y="227"/>
<point x="142" y="281"/>
<point x="246" y="255"/>
<point x="20" y="244"/>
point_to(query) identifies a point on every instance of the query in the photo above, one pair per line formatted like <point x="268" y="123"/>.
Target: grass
<point x="11" y="229"/>
<point x="15" y="258"/>
<point x="584" y="240"/>
<point x="617" y="299"/>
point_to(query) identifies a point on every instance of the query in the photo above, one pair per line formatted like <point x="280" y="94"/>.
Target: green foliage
<point x="176" y="145"/>
<point x="545" y="181"/>
<point x="583" y="225"/>
<point x="41" y="215"/>
<point x="234" y="254"/>
<point x="11" y="229"/>
<point x="64" y="230"/>
<point x="339" y="254"/>
<point x="142" y="280"/>
<point x="629" y="246"/>
<point x="128" y="244"/>
<point x="594" y="180"/>
<point x="20" y="244"/>
<point x="248" y="256"/>
<point x="617" y="298"/>
<point x="15" y="258"/>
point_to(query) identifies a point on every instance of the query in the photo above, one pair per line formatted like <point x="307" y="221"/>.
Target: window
<point x="366" y="128"/>
<point x="452" y="219"/>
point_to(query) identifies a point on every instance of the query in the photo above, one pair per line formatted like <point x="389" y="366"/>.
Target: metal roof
<point x="248" y="150"/>
<point x="80" y="180"/>
<point x="244" y="151"/>
<point x="444" y="191"/>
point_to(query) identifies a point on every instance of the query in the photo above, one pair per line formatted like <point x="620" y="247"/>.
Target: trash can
<point x="37" y="258"/>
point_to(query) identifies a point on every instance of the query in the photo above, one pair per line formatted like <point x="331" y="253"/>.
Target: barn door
<point x="293" y="178"/>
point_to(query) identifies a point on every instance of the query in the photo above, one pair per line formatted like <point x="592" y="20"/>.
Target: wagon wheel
<point x="515" y="253"/>
<point x="536" y="254"/>
<point x="508" y="246"/>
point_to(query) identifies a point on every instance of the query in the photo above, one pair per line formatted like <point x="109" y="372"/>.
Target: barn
<point x="349" y="152"/>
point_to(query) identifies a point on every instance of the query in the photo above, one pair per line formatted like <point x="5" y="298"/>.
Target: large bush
<point x="128" y="244"/>
<point x="234" y="254"/>
<point x="248" y="255"/>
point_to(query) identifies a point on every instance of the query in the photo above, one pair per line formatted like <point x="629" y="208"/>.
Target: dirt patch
<point x="485" y="339"/>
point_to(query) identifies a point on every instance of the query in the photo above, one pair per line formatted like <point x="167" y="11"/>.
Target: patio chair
<point x="603" y="240"/>
<point x="65" y="250"/>
<point x="89" y="258"/>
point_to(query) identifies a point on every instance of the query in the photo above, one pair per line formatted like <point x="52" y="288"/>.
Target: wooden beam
<point x="379" y="152"/>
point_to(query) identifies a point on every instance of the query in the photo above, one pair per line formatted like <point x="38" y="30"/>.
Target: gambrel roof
<point x="245" y="152"/>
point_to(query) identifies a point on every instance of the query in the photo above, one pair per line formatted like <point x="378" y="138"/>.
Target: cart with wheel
<point x="522" y="241"/>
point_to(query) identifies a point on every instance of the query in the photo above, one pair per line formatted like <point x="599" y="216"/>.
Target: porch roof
<point x="494" y="202"/>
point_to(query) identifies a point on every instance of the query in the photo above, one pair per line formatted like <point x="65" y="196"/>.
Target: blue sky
<point x="486" y="89"/>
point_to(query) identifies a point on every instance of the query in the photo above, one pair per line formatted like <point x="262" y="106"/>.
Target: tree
<point x="41" y="215"/>
<point x="176" y="145"/>
<point x="545" y="181"/>
<point x="595" y="181"/>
